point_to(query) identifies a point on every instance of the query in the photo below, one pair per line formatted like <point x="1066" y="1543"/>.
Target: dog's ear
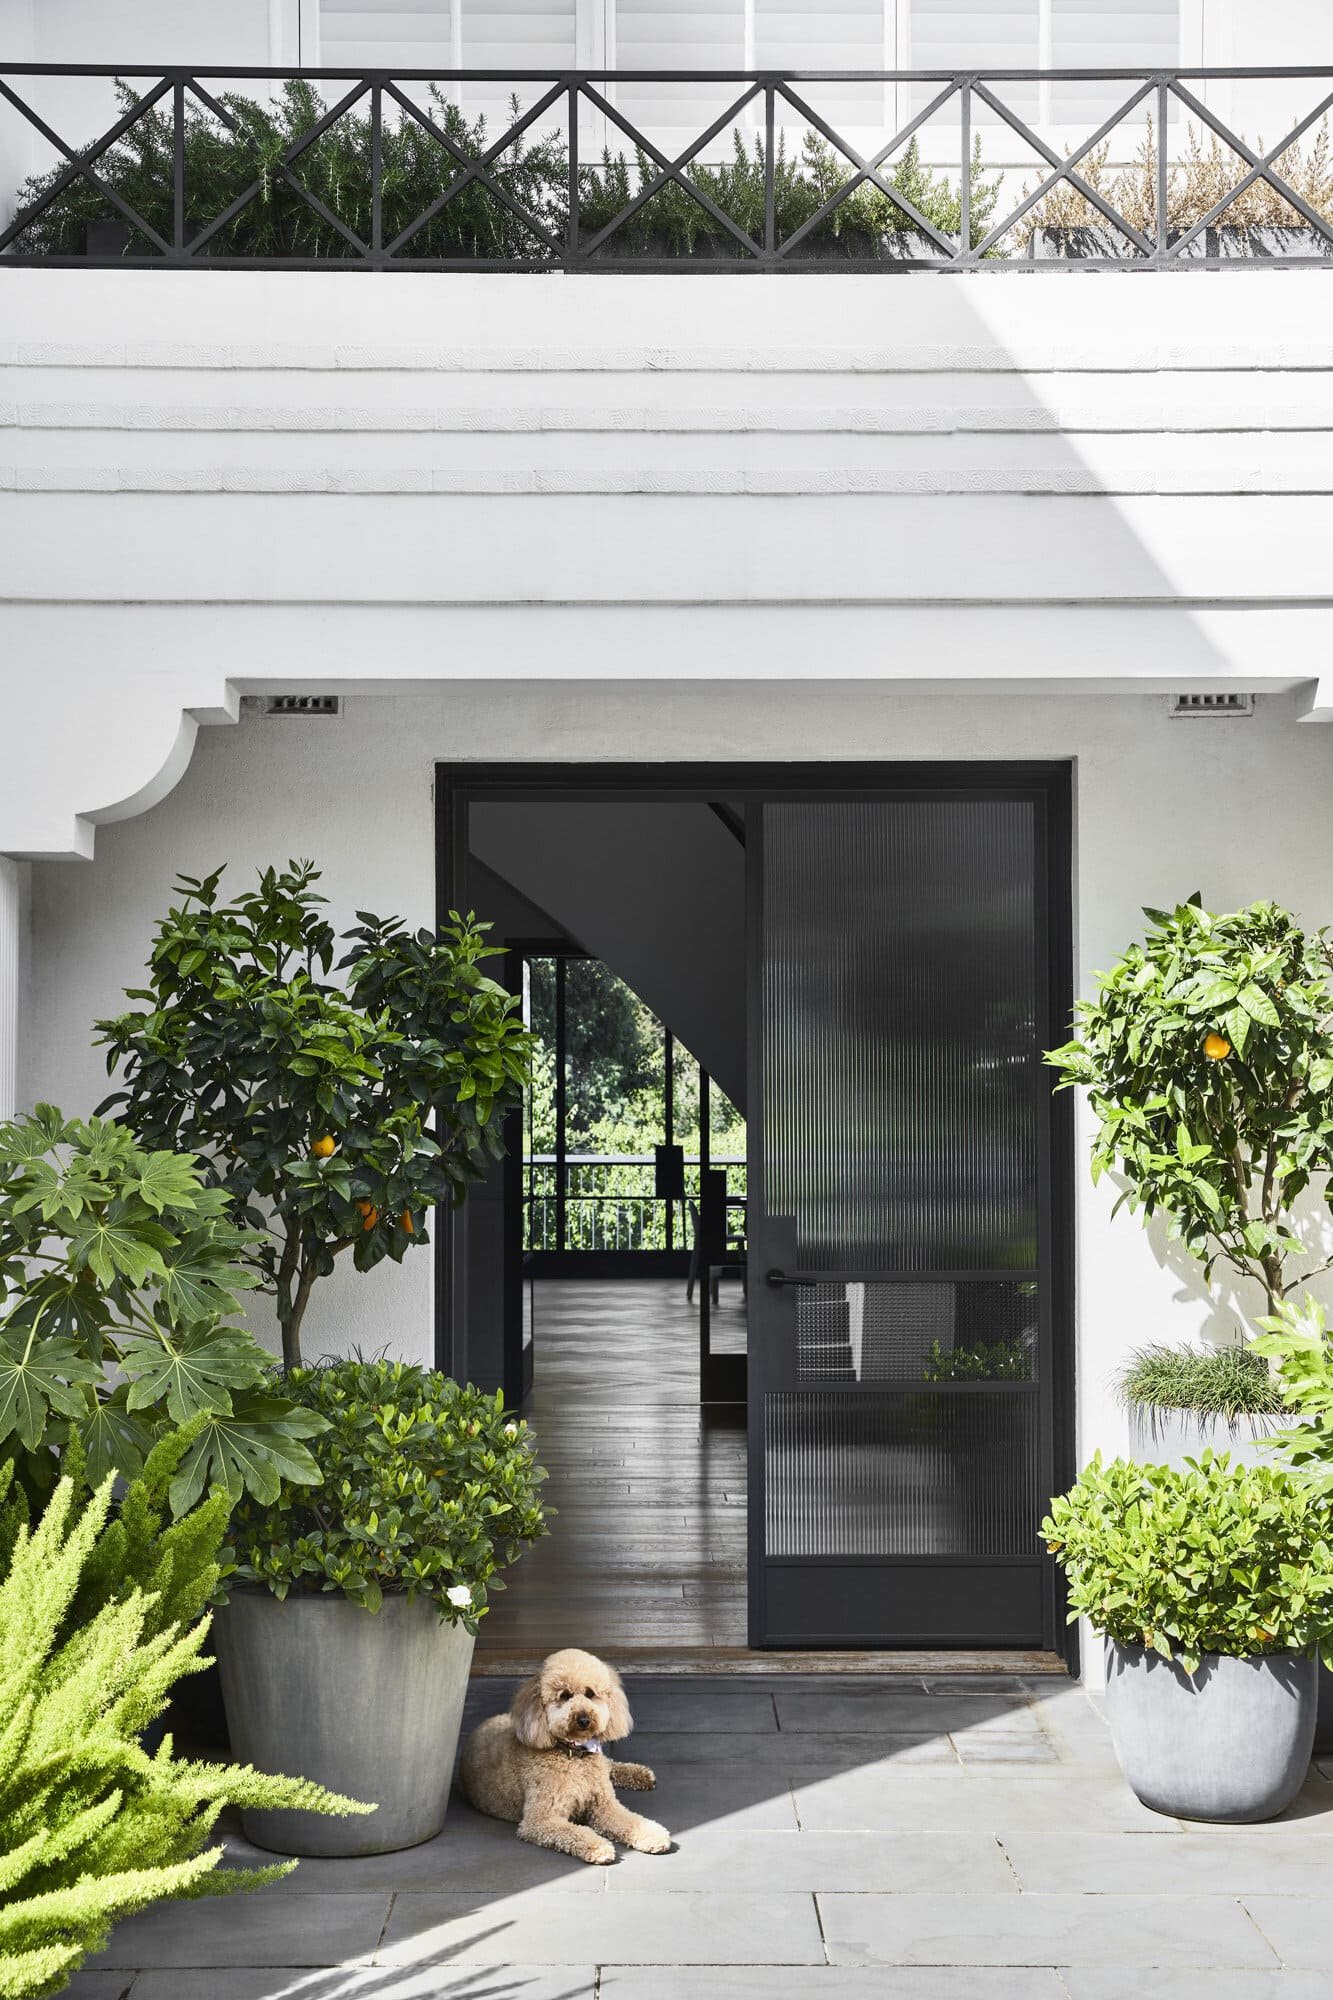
<point x="528" y="1715"/>
<point x="619" y="1721"/>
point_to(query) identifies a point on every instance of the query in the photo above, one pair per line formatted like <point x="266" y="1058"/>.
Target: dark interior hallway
<point x="647" y="1555"/>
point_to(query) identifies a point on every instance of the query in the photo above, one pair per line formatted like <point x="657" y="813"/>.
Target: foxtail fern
<point x="91" y="1826"/>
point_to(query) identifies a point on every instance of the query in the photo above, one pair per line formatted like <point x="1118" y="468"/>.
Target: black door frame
<point x="457" y="785"/>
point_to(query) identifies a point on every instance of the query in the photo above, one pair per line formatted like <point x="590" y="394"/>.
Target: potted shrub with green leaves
<point x="332" y="1117"/>
<point x="97" y="1622"/>
<point x="1207" y="1055"/>
<point x="1213" y="1585"/>
<point x="347" y="1639"/>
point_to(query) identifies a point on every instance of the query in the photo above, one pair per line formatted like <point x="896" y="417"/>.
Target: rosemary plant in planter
<point x="1213" y="1586"/>
<point x="1207" y="1055"/>
<point x="347" y="1638"/>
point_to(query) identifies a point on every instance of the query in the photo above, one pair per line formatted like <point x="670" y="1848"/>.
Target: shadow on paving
<point x="775" y="1791"/>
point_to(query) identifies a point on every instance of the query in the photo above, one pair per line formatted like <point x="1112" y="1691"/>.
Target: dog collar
<point x="579" y="1749"/>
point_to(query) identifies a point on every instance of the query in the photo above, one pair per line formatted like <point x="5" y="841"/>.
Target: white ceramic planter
<point x="367" y="1704"/>
<point x="1231" y="1742"/>
<point x="1169" y="1437"/>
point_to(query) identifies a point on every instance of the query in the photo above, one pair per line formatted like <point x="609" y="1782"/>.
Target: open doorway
<point x="856" y="970"/>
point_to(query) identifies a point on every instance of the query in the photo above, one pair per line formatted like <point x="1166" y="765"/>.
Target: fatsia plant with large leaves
<point x="119" y="1271"/>
<point x="332" y="1117"/>
<point x="1207" y="1055"/>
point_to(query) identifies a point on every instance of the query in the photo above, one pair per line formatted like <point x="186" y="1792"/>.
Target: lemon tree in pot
<point x="1207" y="1055"/>
<point x="1213" y="1586"/>
<point x="347" y="1640"/>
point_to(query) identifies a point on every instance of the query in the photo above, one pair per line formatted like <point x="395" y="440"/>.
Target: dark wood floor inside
<point x="647" y="1555"/>
<point x="646" y="1560"/>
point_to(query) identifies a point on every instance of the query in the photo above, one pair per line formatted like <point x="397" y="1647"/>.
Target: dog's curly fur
<point x="527" y="1766"/>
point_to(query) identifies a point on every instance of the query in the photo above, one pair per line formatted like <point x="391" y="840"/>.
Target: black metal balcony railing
<point x="390" y="175"/>
<point x="607" y="1201"/>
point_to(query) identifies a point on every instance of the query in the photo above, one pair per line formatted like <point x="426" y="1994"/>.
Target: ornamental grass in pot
<point x="1213" y="1586"/>
<point x="347" y="1640"/>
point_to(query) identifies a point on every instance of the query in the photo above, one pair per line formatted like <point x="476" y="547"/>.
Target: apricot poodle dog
<point x="545" y="1767"/>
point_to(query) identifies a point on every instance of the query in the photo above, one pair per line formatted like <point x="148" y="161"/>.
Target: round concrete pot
<point x="369" y="1704"/>
<point x="1231" y="1742"/>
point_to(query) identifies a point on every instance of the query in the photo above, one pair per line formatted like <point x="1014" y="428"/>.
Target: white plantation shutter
<point x="467" y="34"/>
<point x="852" y="34"/>
<point x="681" y="35"/>
<point x="951" y="34"/>
<point x="1099" y="34"/>
<point x="385" y="34"/>
<point x="529" y="34"/>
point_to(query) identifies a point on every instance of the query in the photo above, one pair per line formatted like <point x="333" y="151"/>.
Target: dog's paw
<point x="599" y="1851"/>
<point x="634" y="1777"/>
<point x="650" y="1838"/>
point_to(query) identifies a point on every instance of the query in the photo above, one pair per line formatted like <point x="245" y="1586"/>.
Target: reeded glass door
<point x="901" y="1252"/>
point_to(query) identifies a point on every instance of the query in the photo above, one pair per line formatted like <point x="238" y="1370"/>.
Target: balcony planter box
<point x="1231" y="1742"/>
<point x="368" y="1704"/>
<point x="1092" y="243"/>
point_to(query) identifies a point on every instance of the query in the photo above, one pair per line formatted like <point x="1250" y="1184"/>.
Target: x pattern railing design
<point x="575" y="247"/>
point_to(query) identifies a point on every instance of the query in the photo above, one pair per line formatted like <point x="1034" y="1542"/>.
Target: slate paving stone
<point x="1176" y="1862"/>
<point x="264" y="1929"/>
<point x="1052" y="1930"/>
<point x="105" y="1985"/>
<point x="788" y="1752"/>
<point x="970" y="1802"/>
<point x="795" y="1861"/>
<point x="647" y="1928"/>
<point x="1088" y="1983"/>
<point x="972" y="1747"/>
<point x="733" y="1795"/>
<point x="888" y="1712"/>
<point x="435" y="1982"/>
<point x="827" y="1982"/>
<point x="473" y="1852"/>
<point x="744" y="1711"/>
<point x="1299" y="1928"/>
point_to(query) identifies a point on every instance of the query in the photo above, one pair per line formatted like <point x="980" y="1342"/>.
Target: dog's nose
<point x="582" y="1720"/>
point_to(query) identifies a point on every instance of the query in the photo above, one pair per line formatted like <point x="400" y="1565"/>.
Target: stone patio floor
<point x="959" y="1839"/>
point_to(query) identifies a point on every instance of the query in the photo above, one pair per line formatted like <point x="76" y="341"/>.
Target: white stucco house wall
<point x="638" y="518"/>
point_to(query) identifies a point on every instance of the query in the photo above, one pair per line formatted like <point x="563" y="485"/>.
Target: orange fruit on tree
<point x="370" y="1214"/>
<point x="323" y="1147"/>
<point x="406" y="1219"/>
<point x="1216" y="1047"/>
<point x="363" y="1207"/>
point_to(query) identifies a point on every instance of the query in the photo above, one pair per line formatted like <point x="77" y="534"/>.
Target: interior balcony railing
<point x="1070" y="169"/>
<point x="608" y="1202"/>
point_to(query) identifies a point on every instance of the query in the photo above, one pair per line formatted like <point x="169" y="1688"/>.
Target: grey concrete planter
<point x="1169" y="1437"/>
<point x="1231" y="1742"/>
<point x="369" y="1705"/>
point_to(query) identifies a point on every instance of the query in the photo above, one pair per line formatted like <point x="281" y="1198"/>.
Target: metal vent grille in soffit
<point x="1225" y="705"/>
<point x="309" y="705"/>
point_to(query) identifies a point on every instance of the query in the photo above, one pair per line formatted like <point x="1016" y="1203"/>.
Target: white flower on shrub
<point x="459" y="1594"/>
<point x="511" y="1430"/>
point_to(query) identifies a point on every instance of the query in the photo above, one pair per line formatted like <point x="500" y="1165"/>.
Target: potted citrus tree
<point x="1207" y="1055"/>
<point x="347" y="1638"/>
<point x="330" y="1116"/>
<point x="1213" y="1586"/>
<point x="334" y="1116"/>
